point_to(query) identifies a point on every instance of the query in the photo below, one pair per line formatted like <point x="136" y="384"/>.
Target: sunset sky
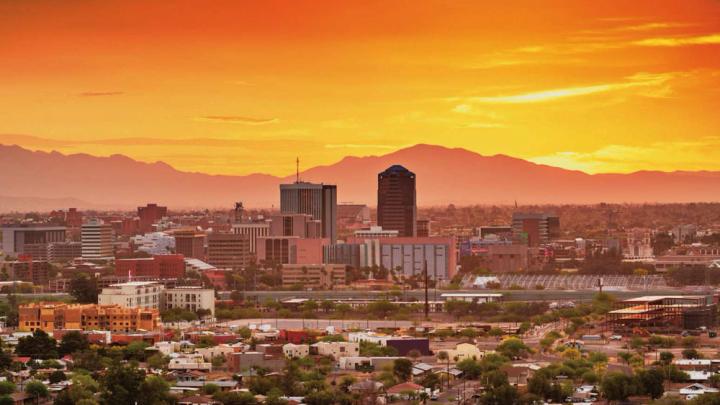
<point x="237" y="87"/>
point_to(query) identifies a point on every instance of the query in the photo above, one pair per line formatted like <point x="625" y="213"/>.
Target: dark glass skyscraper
<point x="396" y="209"/>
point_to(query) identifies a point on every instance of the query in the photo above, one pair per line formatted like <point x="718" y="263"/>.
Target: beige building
<point x="135" y="294"/>
<point x="228" y="250"/>
<point x="293" y="351"/>
<point x="336" y="350"/>
<point x="190" y="298"/>
<point x="326" y="276"/>
<point x="464" y="351"/>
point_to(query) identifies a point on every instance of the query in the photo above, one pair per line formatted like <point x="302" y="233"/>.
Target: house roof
<point x="404" y="387"/>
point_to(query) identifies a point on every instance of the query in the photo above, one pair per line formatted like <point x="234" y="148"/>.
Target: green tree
<point x="36" y="389"/>
<point x="6" y="387"/>
<point x="471" y="368"/>
<point x="154" y="391"/>
<point x="72" y="342"/>
<point x="617" y="386"/>
<point x="513" y="348"/>
<point x="235" y="398"/>
<point x="402" y="369"/>
<point x="121" y="384"/>
<point x="157" y="361"/>
<point x="37" y="346"/>
<point x="651" y="382"/>
<point x="57" y="376"/>
<point x="83" y="288"/>
<point x="136" y="350"/>
<point x="6" y="400"/>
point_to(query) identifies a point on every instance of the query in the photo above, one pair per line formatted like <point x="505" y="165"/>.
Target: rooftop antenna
<point x="297" y="170"/>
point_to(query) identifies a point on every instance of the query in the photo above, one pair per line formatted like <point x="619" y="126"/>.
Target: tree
<point x="402" y="369"/>
<point x="666" y="357"/>
<point x="323" y="397"/>
<point x="157" y="361"/>
<point x="121" y="384"/>
<point x="513" y="348"/>
<point x="57" y="376"/>
<point x="83" y="288"/>
<point x="153" y="391"/>
<point x="6" y="387"/>
<point x="37" y="346"/>
<point x="444" y="356"/>
<point x="706" y="399"/>
<point x="471" y="368"/>
<point x="691" y="354"/>
<point x="6" y="400"/>
<point x="136" y="350"/>
<point x="617" y="386"/>
<point x="36" y="389"/>
<point x="414" y="354"/>
<point x="72" y="342"/>
<point x="651" y="382"/>
<point x="236" y="398"/>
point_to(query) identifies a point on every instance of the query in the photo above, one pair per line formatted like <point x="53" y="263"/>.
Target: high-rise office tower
<point x="318" y="200"/>
<point x="396" y="209"/>
<point x="535" y="228"/>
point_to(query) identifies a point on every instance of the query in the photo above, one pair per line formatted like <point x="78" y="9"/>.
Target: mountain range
<point x="34" y="180"/>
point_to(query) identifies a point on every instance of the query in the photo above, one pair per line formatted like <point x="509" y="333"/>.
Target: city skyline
<point x="229" y="88"/>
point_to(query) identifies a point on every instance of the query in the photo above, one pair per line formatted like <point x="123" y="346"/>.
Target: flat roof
<point x="647" y="298"/>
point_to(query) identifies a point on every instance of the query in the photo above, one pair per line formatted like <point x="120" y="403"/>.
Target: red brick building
<point x="160" y="266"/>
<point x="150" y="214"/>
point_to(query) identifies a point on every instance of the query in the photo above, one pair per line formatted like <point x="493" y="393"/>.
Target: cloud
<point x="685" y="155"/>
<point x="237" y="119"/>
<point x="100" y="93"/>
<point x="637" y="80"/>
<point x="712" y="39"/>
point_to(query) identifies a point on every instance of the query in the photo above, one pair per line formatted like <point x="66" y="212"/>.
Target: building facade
<point x="318" y="200"/>
<point x="159" y="266"/>
<point x="324" y="276"/>
<point x="190" y="243"/>
<point x="49" y="317"/>
<point x="134" y="294"/>
<point x="252" y="230"/>
<point x="97" y="240"/>
<point x="229" y="250"/>
<point x="190" y="298"/>
<point x="150" y="214"/>
<point x="15" y="238"/>
<point x="396" y="207"/>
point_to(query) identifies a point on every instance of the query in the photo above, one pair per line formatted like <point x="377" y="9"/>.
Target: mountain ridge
<point x="444" y="175"/>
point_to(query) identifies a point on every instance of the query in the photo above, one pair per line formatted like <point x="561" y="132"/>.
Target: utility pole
<point x="427" y="304"/>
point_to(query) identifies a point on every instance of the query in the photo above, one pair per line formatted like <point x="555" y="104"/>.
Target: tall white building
<point x="155" y="243"/>
<point x="135" y="294"/>
<point x="97" y="240"/>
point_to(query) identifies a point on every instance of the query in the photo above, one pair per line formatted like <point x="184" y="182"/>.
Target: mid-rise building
<point x="150" y="214"/>
<point x="133" y="294"/>
<point x="228" y="250"/>
<point x="410" y="255"/>
<point x="154" y="243"/>
<point x="49" y="317"/>
<point x="15" y="238"/>
<point x="190" y="298"/>
<point x="253" y="230"/>
<point x="376" y="232"/>
<point x="30" y="271"/>
<point x="396" y="207"/>
<point x="190" y="243"/>
<point x="158" y="267"/>
<point x="97" y="240"/>
<point x="535" y="229"/>
<point x="62" y="252"/>
<point x="290" y="250"/>
<point x="325" y="276"/>
<point x="300" y="225"/>
<point x="422" y="228"/>
<point x="318" y="200"/>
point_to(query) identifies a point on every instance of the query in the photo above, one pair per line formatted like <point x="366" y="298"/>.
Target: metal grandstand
<point x="581" y="282"/>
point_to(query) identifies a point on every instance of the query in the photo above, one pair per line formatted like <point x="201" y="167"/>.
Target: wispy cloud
<point x="100" y="93"/>
<point x="689" y="155"/>
<point x="238" y="119"/>
<point x="712" y="39"/>
<point x="638" y="80"/>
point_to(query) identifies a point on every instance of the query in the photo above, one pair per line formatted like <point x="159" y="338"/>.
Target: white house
<point x="337" y="350"/>
<point x="293" y="351"/>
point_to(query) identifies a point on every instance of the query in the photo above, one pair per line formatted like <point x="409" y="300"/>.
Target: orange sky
<point x="239" y="87"/>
